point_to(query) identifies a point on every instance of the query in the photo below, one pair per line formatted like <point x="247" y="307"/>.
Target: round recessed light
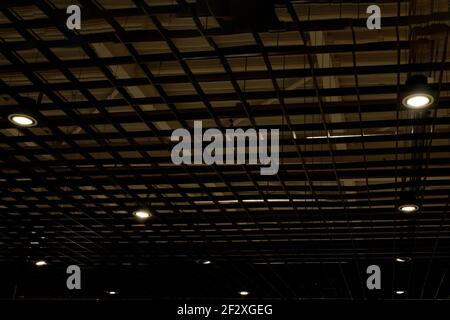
<point x="418" y="101"/>
<point x="403" y="259"/>
<point x="204" y="262"/>
<point x="112" y="293"/>
<point x="399" y="292"/>
<point x="22" y="120"/>
<point x="143" y="213"/>
<point x="244" y="293"/>
<point x="41" y="263"/>
<point x="408" y="208"/>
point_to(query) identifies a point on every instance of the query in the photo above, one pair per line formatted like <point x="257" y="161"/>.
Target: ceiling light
<point x="112" y="293"/>
<point x="40" y="263"/>
<point x="408" y="208"/>
<point x="408" y="203"/>
<point x="244" y="293"/>
<point x="347" y="136"/>
<point x="204" y="202"/>
<point x="22" y="120"/>
<point x="400" y="292"/>
<point x="142" y="213"/>
<point x="228" y="201"/>
<point x="418" y="101"/>
<point x="403" y="259"/>
<point x="204" y="262"/>
<point x="417" y="93"/>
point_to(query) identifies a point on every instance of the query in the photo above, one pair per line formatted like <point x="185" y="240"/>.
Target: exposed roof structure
<point x="107" y="98"/>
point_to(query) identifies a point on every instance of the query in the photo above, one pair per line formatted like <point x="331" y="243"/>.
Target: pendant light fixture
<point x="417" y="94"/>
<point x="23" y="114"/>
<point x="143" y="213"/>
<point x="408" y="203"/>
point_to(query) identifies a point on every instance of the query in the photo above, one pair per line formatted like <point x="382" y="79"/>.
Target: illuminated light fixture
<point x="244" y="293"/>
<point x="307" y="200"/>
<point x="346" y="136"/>
<point x="408" y="208"/>
<point x="419" y="101"/>
<point x="22" y="120"/>
<point x="417" y="94"/>
<point x="228" y="201"/>
<point x="205" y="262"/>
<point x="203" y="202"/>
<point x="112" y="293"/>
<point x="408" y="203"/>
<point x="24" y="113"/>
<point x="403" y="259"/>
<point x="253" y="200"/>
<point x="143" y="213"/>
<point x="40" y="263"/>
<point x="400" y="292"/>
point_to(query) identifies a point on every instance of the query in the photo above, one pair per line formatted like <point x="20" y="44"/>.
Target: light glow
<point x="408" y="208"/>
<point x="418" y="101"/>
<point x="142" y="214"/>
<point x="40" y="263"/>
<point x="22" y="120"/>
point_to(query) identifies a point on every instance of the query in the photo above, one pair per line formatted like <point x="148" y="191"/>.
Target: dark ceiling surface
<point x="107" y="98"/>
